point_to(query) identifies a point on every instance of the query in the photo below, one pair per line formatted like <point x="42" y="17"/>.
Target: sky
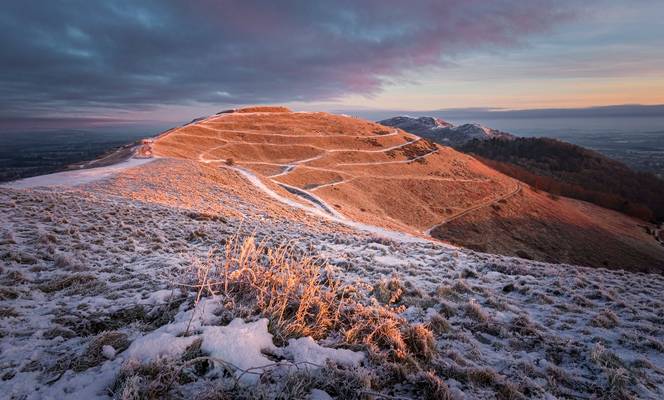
<point x="87" y="62"/>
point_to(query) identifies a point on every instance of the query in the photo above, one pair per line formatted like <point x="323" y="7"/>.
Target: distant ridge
<point x="443" y="132"/>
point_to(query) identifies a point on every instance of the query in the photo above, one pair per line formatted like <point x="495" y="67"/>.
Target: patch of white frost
<point x="391" y="261"/>
<point x="77" y="177"/>
<point x="162" y="296"/>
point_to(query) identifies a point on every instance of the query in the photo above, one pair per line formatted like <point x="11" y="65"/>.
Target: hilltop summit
<point x="257" y="109"/>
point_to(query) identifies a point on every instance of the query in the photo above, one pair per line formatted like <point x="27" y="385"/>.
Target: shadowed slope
<point x="562" y="230"/>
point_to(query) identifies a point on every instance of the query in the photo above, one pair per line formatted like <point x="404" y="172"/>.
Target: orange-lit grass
<point x="300" y="297"/>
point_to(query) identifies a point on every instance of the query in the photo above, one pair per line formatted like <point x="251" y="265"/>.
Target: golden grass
<point x="300" y="297"/>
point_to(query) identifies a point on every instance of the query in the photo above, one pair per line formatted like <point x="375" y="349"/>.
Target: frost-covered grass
<point x="102" y="296"/>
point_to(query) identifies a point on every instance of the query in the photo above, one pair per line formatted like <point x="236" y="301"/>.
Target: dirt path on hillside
<point x="304" y="196"/>
<point x="474" y="208"/>
<point x="246" y="132"/>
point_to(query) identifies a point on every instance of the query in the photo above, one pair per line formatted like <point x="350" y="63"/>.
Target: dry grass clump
<point x="582" y="301"/>
<point x="430" y="386"/>
<point x="557" y="376"/>
<point x="460" y="286"/>
<point x="76" y="284"/>
<point x="293" y="293"/>
<point x="338" y="382"/>
<point x="377" y="328"/>
<point x="420" y="341"/>
<point x="617" y="376"/>
<point x="447" y="309"/>
<point x="524" y="326"/>
<point x="14" y="278"/>
<point x="388" y="291"/>
<point x="203" y="216"/>
<point x="454" y="292"/>
<point x="8" y="312"/>
<point x="341" y="383"/>
<point x="7" y="293"/>
<point x="164" y="377"/>
<point x="446" y="291"/>
<point x="468" y="273"/>
<point x="475" y="311"/>
<point x="20" y="257"/>
<point x="8" y="238"/>
<point x="605" y="319"/>
<point x="605" y="358"/>
<point x="299" y="296"/>
<point x="485" y="377"/>
<point x="94" y="356"/>
<point x="480" y="376"/>
<point x="47" y="237"/>
<point x="59" y="331"/>
<point x="439" y="324"/>
<point x="152" y="380"/>
<point x="65" y="261"/>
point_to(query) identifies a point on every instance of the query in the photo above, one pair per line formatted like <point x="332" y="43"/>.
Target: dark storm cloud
<point x="60" y="56"/>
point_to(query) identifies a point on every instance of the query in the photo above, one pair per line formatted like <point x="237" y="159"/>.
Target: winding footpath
<point x="318" y="206"/>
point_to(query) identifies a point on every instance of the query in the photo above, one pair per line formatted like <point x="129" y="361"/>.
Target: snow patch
<point x="317" y="394"/>
<point x="240" y="344"/>
<point x="306" y="350"/>
<point x="157" y="345"/>
<point x="108" y="352"/>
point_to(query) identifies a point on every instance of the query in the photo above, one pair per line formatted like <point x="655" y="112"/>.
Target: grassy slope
<point x="412" y="196"/>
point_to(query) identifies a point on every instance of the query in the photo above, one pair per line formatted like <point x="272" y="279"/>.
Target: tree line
<point x="565" y="169"/>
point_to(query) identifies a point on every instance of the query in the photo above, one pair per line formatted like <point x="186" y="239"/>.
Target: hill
<point x="364" y="172"/>
<point x="199" y="273"/>
<point x="444" y="132"/>
<point x="573" y="171"/>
